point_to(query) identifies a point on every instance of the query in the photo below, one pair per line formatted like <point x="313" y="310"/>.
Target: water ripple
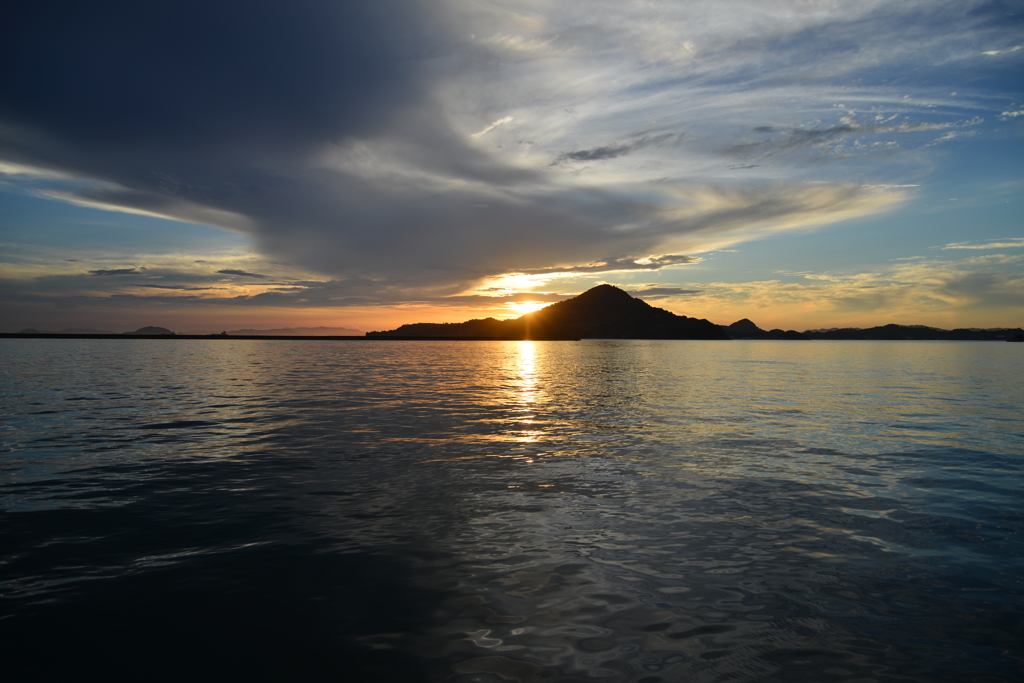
<point x="616" y="511"/>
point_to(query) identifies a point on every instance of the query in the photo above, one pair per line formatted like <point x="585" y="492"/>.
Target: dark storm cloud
<point x="210" y="104"/>
<point x="201" y="74"/>
<point x="233" y="271"/>
<point x="216" y="112"/>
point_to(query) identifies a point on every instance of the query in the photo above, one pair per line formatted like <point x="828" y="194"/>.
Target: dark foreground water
<point x="512" y="511"/>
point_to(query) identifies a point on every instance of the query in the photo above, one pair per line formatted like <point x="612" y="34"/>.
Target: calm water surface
<point x="487" y="512"/>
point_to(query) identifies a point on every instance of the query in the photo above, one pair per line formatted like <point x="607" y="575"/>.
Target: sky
<point x="220" y="164"/>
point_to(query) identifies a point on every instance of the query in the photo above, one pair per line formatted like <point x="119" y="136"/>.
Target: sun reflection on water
<point x="527" y="370"/>
<point x="527" y="392"/>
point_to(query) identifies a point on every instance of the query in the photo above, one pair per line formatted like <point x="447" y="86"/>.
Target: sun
<point x="526" y="306"/>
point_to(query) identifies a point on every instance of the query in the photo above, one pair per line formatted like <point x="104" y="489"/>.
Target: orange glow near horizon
<point x="527" y="306"/>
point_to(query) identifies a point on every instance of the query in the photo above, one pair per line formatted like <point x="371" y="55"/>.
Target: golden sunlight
<point x="526" y="306"/>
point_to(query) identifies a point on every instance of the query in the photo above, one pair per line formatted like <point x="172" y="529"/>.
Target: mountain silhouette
<point x="151" y="330"/>
<point x="893" y="331"/>
<point x="746" y="329"/>
<point x="604" y="312"/>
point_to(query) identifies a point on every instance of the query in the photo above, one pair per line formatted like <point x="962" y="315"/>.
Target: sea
<point x="511" y="512"/>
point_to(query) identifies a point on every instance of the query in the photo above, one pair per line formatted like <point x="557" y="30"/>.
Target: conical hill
<point x="603" y="312"/>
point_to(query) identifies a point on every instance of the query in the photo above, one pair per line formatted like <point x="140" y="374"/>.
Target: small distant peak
<point x="151" y="330"/>
<point x="744" y="324"/>
<point x="29" y="330"/>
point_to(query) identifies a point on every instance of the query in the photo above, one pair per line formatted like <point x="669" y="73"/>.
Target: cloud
<point x="946" y="294"/>
<point x="519" y="43"/>
<point x="999" y="52"/>
<point x="615" y="265"/>
<point x="654" y="292"/>
<point x="597" y="153"/>
<point x="492" y="126"/>
<point x="115" y="271"/>
<point x="368" y="142"/>
<point x="794" y="139"/>
<point x="991" y="244"/>
<point x="234" y="271"/>
<point x="617" y="150"/>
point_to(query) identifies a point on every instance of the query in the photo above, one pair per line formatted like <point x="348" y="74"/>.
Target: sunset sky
<point x="216" y="165"/>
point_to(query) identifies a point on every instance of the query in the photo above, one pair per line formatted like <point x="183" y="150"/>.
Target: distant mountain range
<point x="607" y="312"/>
<point x="745" y="329"/>
<point x="66" y="330"/>
<point x="893" y="331"/>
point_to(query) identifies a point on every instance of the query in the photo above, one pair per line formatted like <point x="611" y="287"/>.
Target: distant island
<point x="607" y="312"/>
<point x="603" y="312"/>
<point x="920" y="332"/>
<point x="151" y="330"/>
<point x="745" y="329"/>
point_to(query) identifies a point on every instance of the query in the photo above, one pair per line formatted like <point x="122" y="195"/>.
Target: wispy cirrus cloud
<point x="488" y="128"/>
<point x="794" y="139"/>
<point x="991" y="244"/>
<point x="655" y="292"/>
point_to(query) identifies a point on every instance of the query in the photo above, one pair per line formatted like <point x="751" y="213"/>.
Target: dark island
<point x="604" y="312"/>
<point x="745" y="329"/>
<point x="920" y="332"/>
